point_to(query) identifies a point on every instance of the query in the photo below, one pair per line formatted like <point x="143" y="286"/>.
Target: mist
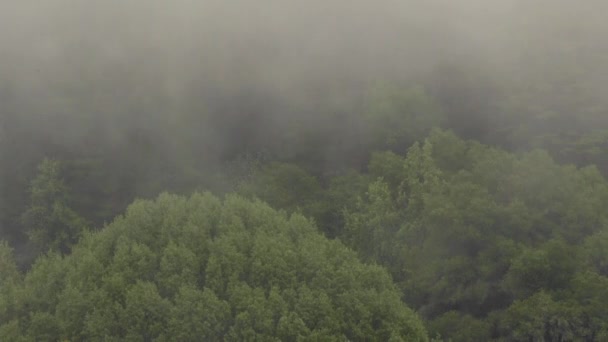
<point x="163" y="86"/>
<point x="271" y="59"/>
<point x="453" y="143"/>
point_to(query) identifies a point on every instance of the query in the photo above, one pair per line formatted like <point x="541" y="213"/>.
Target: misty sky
<point x="291" y="52"/>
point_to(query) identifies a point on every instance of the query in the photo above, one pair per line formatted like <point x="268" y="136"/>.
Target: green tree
<point x="198" y="315"/>
<point x="467" y="229"/>
<point x="49" y="221"/>
<point x="549" y="267"/>
<point x="460" y="327"/>
<point x="541" y="318"/>
<point x="201" y="268"/>
<point x="10" y="282"/>
<point x="285" y="186"/>
<point x="145" y="314"/>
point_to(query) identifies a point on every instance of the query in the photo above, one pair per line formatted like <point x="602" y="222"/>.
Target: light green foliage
<point x="202" y="269"/>
<point x="145" y="313"/>
<point x="198" y="315"/>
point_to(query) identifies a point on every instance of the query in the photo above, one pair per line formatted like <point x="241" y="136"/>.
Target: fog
<point x="280" y="53"/>
<point x="314" y="107"/>
<point x="81" y="78"/>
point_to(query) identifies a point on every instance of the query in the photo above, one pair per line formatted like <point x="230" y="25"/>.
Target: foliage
<point x="285" y="186"/>
<point x="477" y="237"/>
<point x="50" y="223"/>
<point x="199" y="268"/>
<point x="397" y="117"/>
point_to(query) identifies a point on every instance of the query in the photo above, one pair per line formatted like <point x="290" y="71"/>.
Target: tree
<point x="285" y="186"/>
<point x="471" y="232"/>
<point x="541" y="318"/>
<point x="398" y="117"/>
<point x="49" y="221"/>
<point x="10" y="281"/>
<point x="199" y="268"/>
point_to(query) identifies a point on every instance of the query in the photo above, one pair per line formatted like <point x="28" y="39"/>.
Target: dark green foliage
<point x="398" y="117"/>
<point x="459" y="327"/>
<point x="10" y="281"/>
<point x="342" y="193"/>
<point x="285" y="186"/>
<point x="551" y="267"/>
<point x="49" y="221"/>
<point x="477" y="237"/>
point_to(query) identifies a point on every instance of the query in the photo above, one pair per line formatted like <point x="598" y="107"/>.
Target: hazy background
<point x="156" y="92"/>
<point x="116" y="57"/>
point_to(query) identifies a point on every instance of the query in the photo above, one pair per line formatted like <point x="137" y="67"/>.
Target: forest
<point x="335" y="170"/>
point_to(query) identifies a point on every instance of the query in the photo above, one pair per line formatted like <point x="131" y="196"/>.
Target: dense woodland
<point x="179" y="187"/>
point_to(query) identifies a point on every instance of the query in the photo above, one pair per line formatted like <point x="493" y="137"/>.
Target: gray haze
<point x="108" y="58"/>
<point x="126" y="83"/>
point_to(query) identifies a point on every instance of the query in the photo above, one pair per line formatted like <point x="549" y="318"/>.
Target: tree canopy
<point x="200" y="268"/>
